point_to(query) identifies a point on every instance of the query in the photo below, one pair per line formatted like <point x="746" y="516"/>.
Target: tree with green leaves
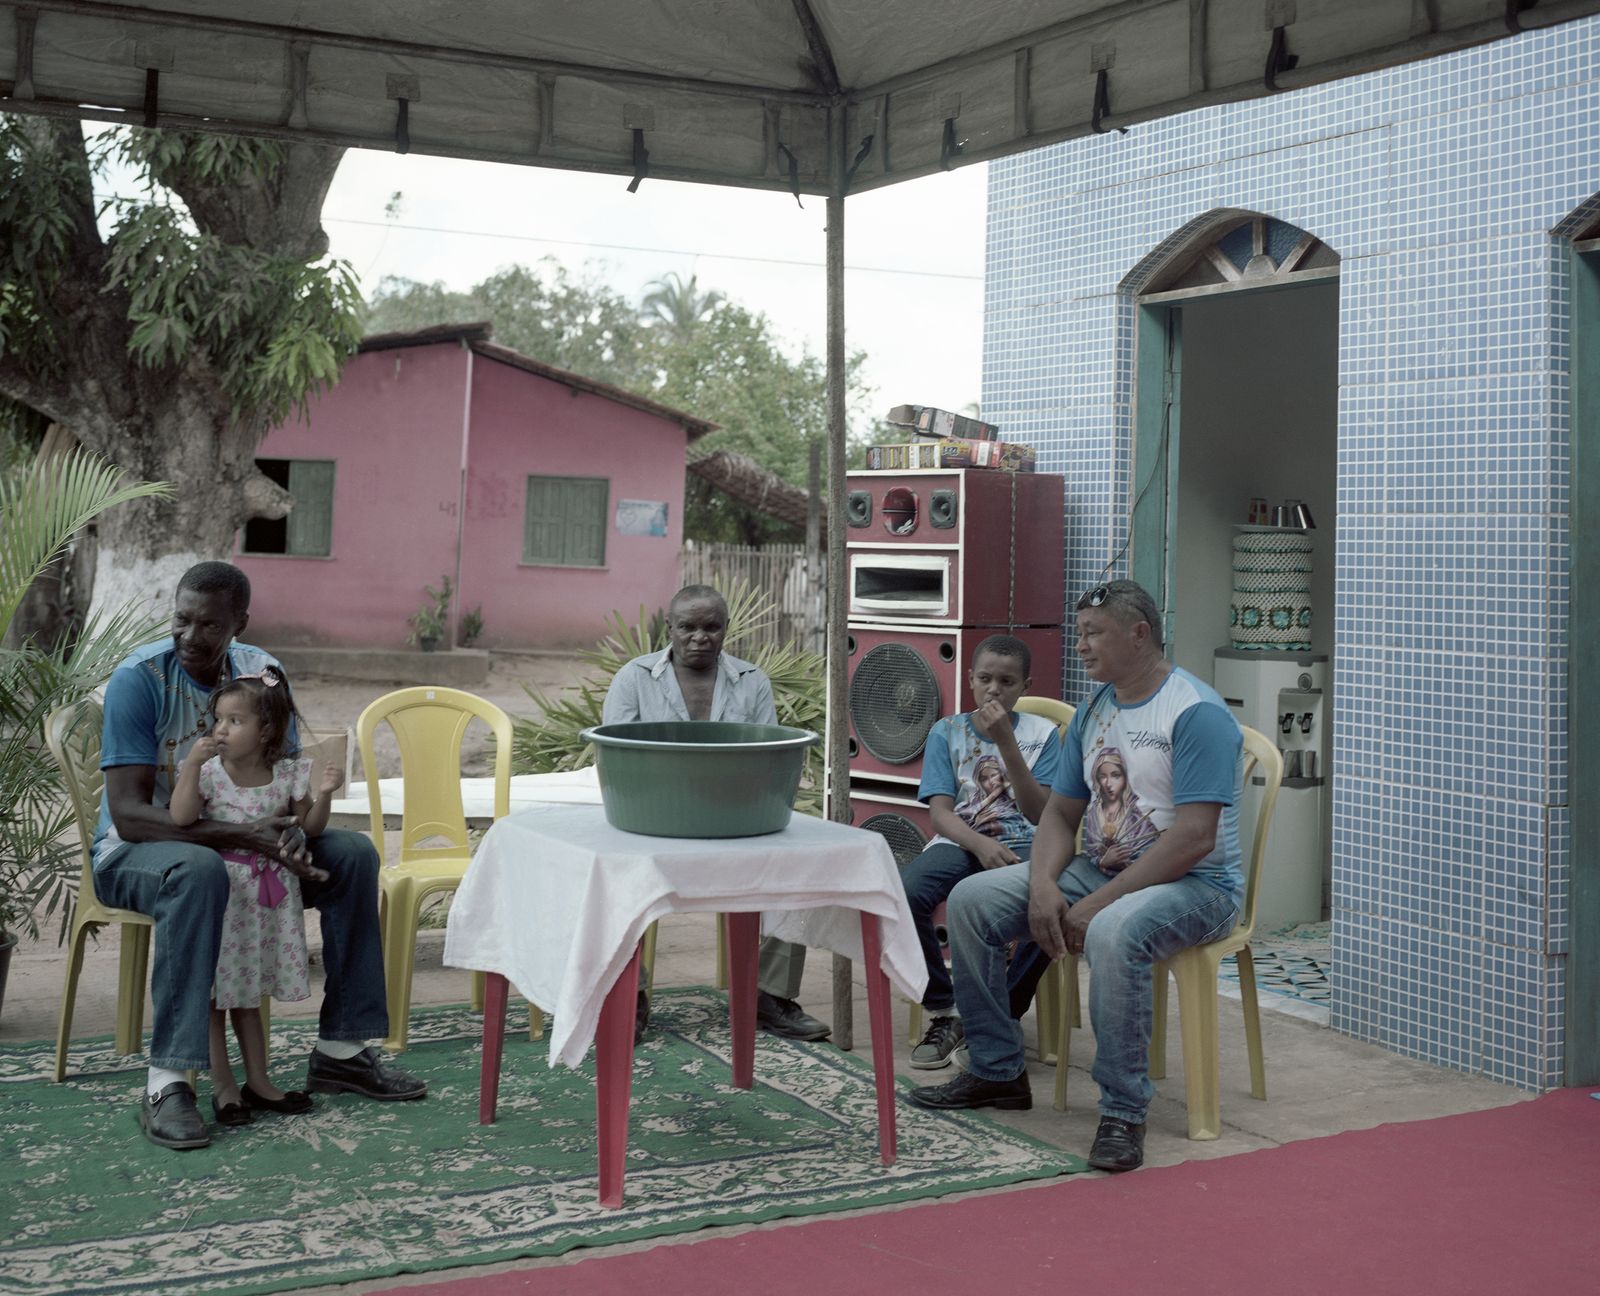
<point x="678" y="307"/>
<point x="543" y="311"/>
<point x="169" y="330"/>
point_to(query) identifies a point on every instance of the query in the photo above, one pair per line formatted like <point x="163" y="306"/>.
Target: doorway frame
<point x="1582" y="1042"/>
<point x="1157" y="403"/>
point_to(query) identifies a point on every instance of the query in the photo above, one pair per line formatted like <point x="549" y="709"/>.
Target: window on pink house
<point x="308" y="530"/>
<point x="565" y="522"/>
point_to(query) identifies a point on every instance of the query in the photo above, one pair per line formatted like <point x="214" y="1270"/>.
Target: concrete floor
<point x="1318" y="1082"/>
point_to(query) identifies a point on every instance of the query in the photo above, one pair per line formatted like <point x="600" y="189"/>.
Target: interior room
<point x="1257" y="421"/>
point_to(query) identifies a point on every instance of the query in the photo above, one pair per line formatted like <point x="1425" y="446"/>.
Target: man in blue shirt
<point x="155" y="707"/>
<point x="986" y="777"/>
<point x="693" y="679"/>
<point x="1150" y="768"/>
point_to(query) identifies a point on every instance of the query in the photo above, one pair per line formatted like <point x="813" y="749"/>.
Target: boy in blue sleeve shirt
<point x="986" y="776"/>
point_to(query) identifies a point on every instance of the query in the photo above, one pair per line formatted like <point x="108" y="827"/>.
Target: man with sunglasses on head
<point x="1132" y="899"/>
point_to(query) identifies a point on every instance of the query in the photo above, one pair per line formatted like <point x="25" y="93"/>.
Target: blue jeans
<point x="928" y="881"/>
<point x="1125" y="941"/>
<point x="185" y="889"/>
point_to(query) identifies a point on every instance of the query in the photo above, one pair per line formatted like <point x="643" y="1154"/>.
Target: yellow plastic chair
<point x="1196" y="971"/>
<point x="73" y="735"/>
<point x="1049" y="985"/>
<point x="429" y="724"/>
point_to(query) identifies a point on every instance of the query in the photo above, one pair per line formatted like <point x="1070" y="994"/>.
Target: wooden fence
<point x="779" y="570"/>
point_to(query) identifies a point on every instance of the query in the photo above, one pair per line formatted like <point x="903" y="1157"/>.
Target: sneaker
<point x="938" y="1043"/>
<point x="967" y="1091"/>
<point x="1118" y="1145"/>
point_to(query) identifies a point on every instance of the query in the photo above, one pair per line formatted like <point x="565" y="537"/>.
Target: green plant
<point x="471" y="626"/>
<point x="799" y="690"/>
<point x="42" y="506"/>
<point x="428" y="621"/>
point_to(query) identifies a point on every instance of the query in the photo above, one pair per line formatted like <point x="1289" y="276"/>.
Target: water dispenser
<point x="1285" y="696"/>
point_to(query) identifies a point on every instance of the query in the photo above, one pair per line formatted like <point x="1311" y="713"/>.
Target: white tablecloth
<point x="555" y="900"/>
<point x="579" y="787"/>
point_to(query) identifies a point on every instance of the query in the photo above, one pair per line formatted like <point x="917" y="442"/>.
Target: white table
<point x="556" y="900"/>
<point x="579" y="787"/>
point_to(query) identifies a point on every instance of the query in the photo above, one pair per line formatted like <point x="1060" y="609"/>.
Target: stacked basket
<point x="1271" y="608"/>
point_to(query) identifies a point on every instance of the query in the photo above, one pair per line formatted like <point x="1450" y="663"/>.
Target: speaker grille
<point x="894" y="700"/>
<point x="905" y="839"/>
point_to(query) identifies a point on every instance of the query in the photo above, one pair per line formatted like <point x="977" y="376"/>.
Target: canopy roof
<point x="816" y="96"/>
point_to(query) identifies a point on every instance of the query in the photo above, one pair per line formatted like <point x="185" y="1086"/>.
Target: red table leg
<point x="743" y="932"/>
<point x="613" y="1079"/>
<point x="882" y="1038"/>
<point x="494" y="1038"/>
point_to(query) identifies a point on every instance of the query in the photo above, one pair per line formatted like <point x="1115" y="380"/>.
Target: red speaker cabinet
<point x="902" y="678"/>
<point x="894" y="812"/>
<point x="956" y="546"/>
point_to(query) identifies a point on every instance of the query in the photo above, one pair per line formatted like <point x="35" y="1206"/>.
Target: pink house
<point x="547" y="498"/>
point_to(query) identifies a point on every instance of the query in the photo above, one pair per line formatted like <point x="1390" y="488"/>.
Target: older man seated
<point x="693" y="679"/>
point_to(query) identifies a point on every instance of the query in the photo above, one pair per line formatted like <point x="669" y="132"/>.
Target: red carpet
<point x="1504" y="1201"/>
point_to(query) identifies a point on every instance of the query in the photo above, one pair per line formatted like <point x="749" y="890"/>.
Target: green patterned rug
<point x="361" y="1190"/>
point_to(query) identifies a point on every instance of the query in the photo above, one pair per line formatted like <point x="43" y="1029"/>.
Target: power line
<point x="629" y="247"/>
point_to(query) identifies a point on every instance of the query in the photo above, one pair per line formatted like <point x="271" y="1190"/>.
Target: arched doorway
<point x="1236" y="373"/>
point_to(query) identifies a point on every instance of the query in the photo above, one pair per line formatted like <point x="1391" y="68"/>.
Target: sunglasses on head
<point x="1095" y="597"/>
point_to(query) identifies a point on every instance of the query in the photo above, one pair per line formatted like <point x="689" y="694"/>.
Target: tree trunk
<point x="186" y="435"/>
<point x="176" y="423"/>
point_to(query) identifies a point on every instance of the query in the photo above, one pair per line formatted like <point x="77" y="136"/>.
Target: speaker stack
<point x="938" y="560"/>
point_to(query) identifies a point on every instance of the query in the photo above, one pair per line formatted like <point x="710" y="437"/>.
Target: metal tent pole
<point x="838" y="697"/>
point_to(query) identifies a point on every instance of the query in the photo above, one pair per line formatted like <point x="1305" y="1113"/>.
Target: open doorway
<point x="1238" y="403"/>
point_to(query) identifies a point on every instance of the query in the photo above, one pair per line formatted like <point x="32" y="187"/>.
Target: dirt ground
<point x="331" y="704"/>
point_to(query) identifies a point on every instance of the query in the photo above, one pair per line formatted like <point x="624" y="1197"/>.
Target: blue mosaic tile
<point x="1446" y="187"/>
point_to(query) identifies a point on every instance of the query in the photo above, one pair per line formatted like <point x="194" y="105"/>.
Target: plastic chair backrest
<point x="1060" y="712"/>
<point x="72" y="733"/>
<point x="429" y="724"/>
<point x="1261" y="755"/>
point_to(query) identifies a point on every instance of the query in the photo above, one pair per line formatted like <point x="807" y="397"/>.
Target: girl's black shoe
<point x="293" y="1103"/>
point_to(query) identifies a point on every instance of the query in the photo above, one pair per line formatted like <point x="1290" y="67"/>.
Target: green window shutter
<point x="586" y="523"/>
<point x="541" y="526"/>
<point x="565" y="522"/>
<point x="311" y="521"/>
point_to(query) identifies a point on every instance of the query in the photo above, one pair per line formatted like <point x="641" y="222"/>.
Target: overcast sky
<point x="913" y="252"/>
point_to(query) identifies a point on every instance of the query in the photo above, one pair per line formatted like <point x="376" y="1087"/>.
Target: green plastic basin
<point x="699" y="778"/>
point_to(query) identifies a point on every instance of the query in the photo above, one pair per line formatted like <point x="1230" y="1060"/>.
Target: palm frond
<point x="44" y="506"/>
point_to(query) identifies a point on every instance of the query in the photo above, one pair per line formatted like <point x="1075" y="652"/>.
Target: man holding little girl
<point x="155" y="854"/>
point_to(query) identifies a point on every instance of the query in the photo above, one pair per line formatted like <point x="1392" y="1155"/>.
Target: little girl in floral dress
<point x="247" y="768"/>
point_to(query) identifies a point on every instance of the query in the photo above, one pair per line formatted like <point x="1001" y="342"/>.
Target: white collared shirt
<point x="647" y="689"/>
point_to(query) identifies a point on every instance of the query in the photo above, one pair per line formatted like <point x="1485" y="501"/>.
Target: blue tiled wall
<point x="1444" y="187"/>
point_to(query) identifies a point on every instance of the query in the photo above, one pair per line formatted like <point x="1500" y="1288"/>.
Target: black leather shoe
<point x="171" y="1120"/>
<point x="293" y="1103"/>
<point x="785" y="1017"/>
<point x="968" y="1091"/>
<point x="231" y="1114"/>
<point x="367" y="1074"/>
<point x="1118" y="1145"/>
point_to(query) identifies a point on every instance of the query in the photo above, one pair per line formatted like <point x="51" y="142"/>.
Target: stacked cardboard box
<point x="940" y="425"/>
<point x="952" y="452"/>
